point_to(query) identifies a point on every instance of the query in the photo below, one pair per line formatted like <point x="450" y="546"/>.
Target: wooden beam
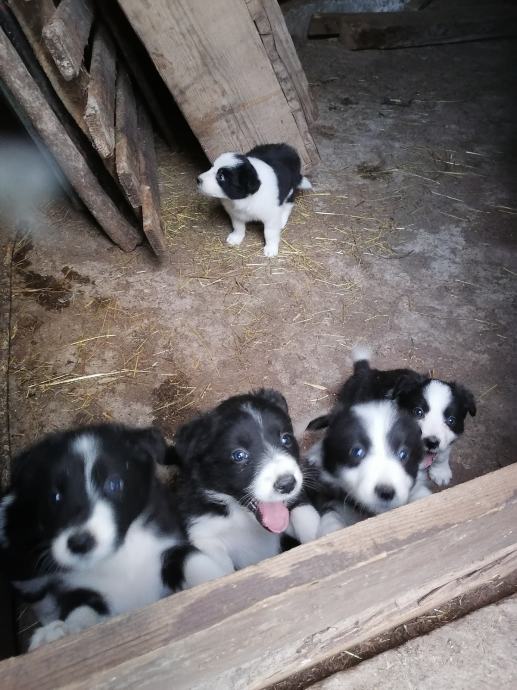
<point x="268" y="622"/>
<point x="127" y="159"/>
<point x="211" y="57"/>
<point x="25" y="92"/>
<point x="411" y="29"/>
<point x="100" y="107"/>
<point x="149" y="186"/>
<point x="66" y="35"/>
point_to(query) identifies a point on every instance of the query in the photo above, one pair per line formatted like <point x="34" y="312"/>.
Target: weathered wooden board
<point x="211" y="57"/>
<point x="32" y="17"/>
<point x="127" y="159"/>
<point x="100" y="106"/>
<point x="26" y="93"/>
<point x="149" y="186"/>
<point x="267" y="622"/>
<point x="408" y="29"/>
<point x="66" y="35"/>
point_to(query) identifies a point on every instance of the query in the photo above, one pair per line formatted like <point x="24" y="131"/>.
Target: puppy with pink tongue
<point x="240" y="479"/>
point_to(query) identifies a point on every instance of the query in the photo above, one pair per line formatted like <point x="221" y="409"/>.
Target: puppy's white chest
<point x="131" y="578"/>
<point x="239" y="533"/>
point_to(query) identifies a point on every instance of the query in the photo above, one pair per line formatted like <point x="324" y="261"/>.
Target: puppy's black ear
<point x="272" y="396"/>
<point x="467" y="399"/>
<point x="407" y="384"/>
<point x="191" y="439"/>
<point x="318" y="423"/>
<point x="151" y="443"/>
<point x="249" y="178"/>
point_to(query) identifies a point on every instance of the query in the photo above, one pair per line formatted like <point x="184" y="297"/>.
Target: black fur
<point x="287" y="166"/>
<point x="238" y="181"/>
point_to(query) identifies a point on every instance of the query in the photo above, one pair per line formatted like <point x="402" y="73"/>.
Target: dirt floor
<point x="407" y="242"/>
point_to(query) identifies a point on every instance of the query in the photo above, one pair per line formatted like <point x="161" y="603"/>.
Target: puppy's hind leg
<point x="239" y="230"/>
<point x="286" y="212"/>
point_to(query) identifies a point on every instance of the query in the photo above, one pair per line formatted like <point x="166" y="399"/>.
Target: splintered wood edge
<point x="267" y="622"/>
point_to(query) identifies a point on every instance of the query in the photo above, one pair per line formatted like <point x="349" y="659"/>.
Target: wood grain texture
<point x="66" y="35"/>
<point x="100" y="106"/>
<point x="127" y="159"/>
<point x="267" y="622"/>
<point x="211" y="57"/>
<point x="149" y="186"/>
<point x="32" y="17"/>
<point x="26" y="93"/>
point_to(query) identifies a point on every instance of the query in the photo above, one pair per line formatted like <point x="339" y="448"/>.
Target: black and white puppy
<point x="240" y="475"/>
<point x="259" y="186"/>
<point x="440" y="407"/>
<point x="369" y="457"/>
<point x="86" y="529"/>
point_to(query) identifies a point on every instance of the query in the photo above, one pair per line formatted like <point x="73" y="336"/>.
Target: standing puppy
<point x="240" y="476"/>
<point x="259" y="186"/>
<point x="87" y="531"/>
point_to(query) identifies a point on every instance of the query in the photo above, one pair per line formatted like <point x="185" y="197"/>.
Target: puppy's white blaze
<point x="87" y="447"/>
<point x="438" y="396"/>
<point x="380" y="466"/>
<point x="4" y="504"/>
<point x="101" y="525"/>
<point x="275" y="464"/>
<point x="361" y="352"/>
<point x="253" y="412"/>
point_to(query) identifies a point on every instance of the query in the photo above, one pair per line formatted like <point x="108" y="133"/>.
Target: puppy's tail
<point x="361" y="355"/>
<point x="304" y="184"/>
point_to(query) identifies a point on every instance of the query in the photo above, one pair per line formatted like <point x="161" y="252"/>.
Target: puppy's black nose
<point x="385" y="491"/>
<point x="285" y="484"/>
<point x="81" y="542"/>
<point x="431" y="442"/>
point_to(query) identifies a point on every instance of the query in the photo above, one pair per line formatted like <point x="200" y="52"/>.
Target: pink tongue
<point x="427" y="461"/>
<point x="273" y="516"/>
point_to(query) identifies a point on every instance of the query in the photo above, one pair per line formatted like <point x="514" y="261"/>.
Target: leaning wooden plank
<point x="126" y="138"/>
<point x="32" y="17"/>
<point x="25" y="91"/>
<point x="266" y="623"/>
<point x="411" y="29"/>
<point x="100" y="107"/>
<point x="213" y="61"/>
<point x="66" y="35"/>
<point x="149" y="187"/>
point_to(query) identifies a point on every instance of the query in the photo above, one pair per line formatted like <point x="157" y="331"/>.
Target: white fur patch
<point x="361" y="352"/>
<point x="304" y="523"/>
<point x="4" y="504"/>
<point x="305" y="184"/>
<point x="438" y="396"/>
<point x="275" y="465"/>
<point x="380" y="466"/>
<point x="101" y="525"/>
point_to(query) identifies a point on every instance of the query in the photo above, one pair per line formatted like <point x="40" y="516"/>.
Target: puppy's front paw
<point x="48" y="633"/>
<point x="270" y="250"/>
<point x="234" y="238"/>
<point x="440" y="474"/>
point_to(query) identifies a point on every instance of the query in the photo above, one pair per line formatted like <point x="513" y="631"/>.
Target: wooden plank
<point x="151" y="86"/>
<point x="280" y="49"/>
<point x="32" y="17"/>
<point x="66" y="35"/>
<point x="149" y="187"/>
<point x="26" y="93"/>
<point x="126" y="137"/>
<point x="215" y="65"/>
<point x="411" y="29"/>
<point x="100" y="107"/>
<point x="263" y="624"/>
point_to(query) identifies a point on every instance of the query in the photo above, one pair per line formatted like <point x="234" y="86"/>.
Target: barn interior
<point x="406" y="242"/>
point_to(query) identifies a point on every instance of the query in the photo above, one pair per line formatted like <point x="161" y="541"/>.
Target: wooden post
<point x="100" y="107"/>
<point x="266" y="623"/>
<point x="66" y="35"/>
<point x="26" y="93"/>
<point x="126" y="139"/>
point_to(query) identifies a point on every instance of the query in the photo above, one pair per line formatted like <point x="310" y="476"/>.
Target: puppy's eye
<point x="220" y="177"/>
<point x="56" y="496"/>
<point x="113" y="485"/>
<point x="287" y="440"/>
<point x="451" y="421"/>
<point x="357" y="452"/>
<point x="418" y="412"/>
<point x="403" y="454"/>
<point x="240" y="455"/>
